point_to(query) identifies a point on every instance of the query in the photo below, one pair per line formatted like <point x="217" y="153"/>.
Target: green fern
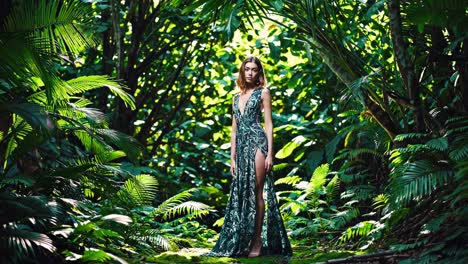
<point x="440" y="144"/>
<point x="405" y="247"/>
<point x="359" y="230"/>
<point x="353" y="153"/>
<point x="380" y="201"/>
<point x="197" y="209"/>
<point x="341" y="218"/>
<point x="154" y="237"/>
<point x="177" y="205"/>
<point x="95" y="256"/>
<point x="332" y="188"/>
<point x="289" y="180"/>
<point x="407" y="136"/>
<point x="419" y="179"/>
<point x="317" y="180"/>
<point x="139" y="190"/>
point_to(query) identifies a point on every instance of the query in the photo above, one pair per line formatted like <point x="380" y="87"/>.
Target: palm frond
<point x="95" y="256"/>
<point x="20" y="239"/>
<point x="34" y="114"/>
<point x="459" y="152"/>
<point x="95" y="116"/>
<point x="117" y="218"/>
<point x="125" y="142"/>
<point x="440" y="144"/>
<point x="57" y="22"/>
<point x="419" y="179"/>
<point x="92" y="143"/>
<point x="86" y="83"/>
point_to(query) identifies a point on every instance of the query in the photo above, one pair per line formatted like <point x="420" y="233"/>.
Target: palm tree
<point x="38" y="107"/>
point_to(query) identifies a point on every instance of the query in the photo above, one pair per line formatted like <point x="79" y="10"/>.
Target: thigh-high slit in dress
<point x="239" y="221"/>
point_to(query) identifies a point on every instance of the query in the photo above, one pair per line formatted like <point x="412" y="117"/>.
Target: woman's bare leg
<point x="256" y="245"/>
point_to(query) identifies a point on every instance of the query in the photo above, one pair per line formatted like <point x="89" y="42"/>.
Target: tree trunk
<point x="107" y="54"/>
<point x="380" y="115"/>
<point x="6" y="121"/>
<point x="404" y="63"/>
<point x="462" y="67"/>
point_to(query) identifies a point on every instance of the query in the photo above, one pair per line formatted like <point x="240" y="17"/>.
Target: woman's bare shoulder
<point x="265" y="91"/>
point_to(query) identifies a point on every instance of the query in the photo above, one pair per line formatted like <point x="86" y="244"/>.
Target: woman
<point x="248" y="230"/>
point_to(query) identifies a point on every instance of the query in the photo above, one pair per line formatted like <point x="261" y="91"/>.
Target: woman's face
<point x="251" y="72"/>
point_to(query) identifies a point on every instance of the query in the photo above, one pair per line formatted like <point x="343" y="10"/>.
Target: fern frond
<point x="344" y="217"/>
<point x="404" y="247"/>
<point x="317" y="180"/>
<point x="380" y="201"/>
<point x="332" y="188"/>
<point x="139" y="190"/>
<point x="172" y="202"/>
<point x="154" y="237"/>
<point x="190" y="207"/>
<point x="359" y="192"/>
<point x="361" y="229"/>
<point x="402" y="137"/>
<point x="352" y="153"/>
<point x="296" y="206"/>
<point x="289" y="180"/>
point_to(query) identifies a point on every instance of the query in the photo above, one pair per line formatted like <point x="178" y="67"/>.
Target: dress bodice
<point x="249" y="129"/>
<point x="252" y="110"/>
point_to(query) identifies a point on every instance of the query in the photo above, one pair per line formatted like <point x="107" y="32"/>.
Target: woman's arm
<point x="233" y="142"/>
<point x="266" y="100"/>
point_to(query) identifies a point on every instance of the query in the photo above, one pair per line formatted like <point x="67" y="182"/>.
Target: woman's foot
<point x="256" y="250"/>
<point x="254" y="254"/>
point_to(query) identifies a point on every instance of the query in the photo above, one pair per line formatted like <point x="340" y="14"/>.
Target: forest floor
<point x="301" y="255"/>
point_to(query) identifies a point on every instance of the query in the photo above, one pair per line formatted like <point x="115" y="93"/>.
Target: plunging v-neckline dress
<point x="239" y="220"/>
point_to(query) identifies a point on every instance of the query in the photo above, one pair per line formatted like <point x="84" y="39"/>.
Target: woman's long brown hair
<point x="261" y="79"/>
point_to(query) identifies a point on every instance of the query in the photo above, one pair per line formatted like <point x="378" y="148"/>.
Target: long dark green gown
<point x="239" y="221"/>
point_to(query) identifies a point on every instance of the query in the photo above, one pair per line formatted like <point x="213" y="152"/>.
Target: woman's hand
<point x="269" y="163"/>
<point x="233" y="168"/>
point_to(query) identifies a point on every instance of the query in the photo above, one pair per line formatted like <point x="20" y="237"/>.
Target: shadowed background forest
<point x="115" y="127"/>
